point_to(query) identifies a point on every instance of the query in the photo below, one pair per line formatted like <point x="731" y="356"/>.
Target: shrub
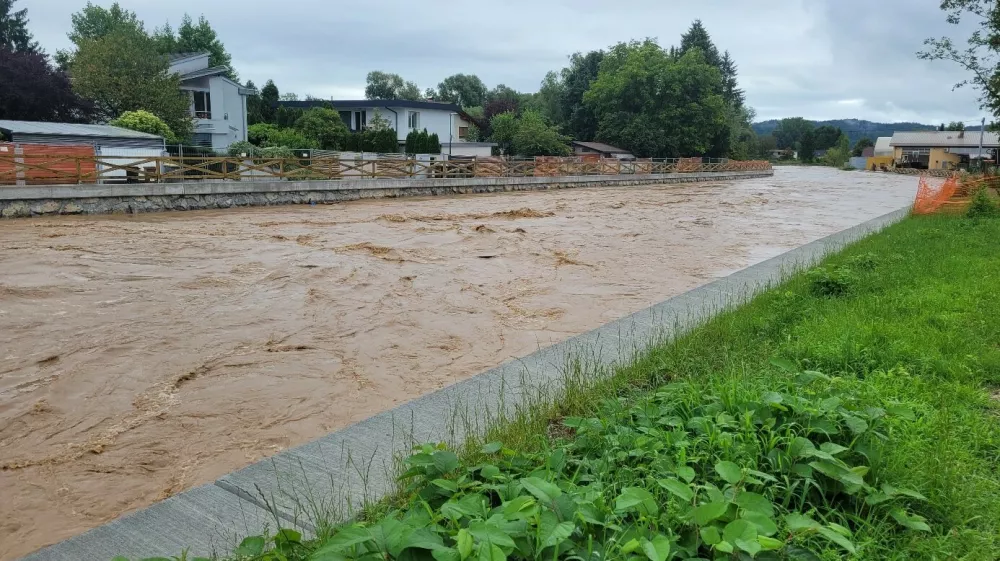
<point x="832" y="281"/>
<point x="324" y="126"/>
<point x="241" y="148"/>
<point x="983" y="206"/>
<point x="282" y="152"/>
<point x="144" y="121"/>
<point x="259" y="133"/>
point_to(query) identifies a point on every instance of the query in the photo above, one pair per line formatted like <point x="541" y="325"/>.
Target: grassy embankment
<point x="850" y="413"/>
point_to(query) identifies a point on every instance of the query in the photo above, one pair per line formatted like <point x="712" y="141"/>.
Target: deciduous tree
<point x="860" y="145"/>
<point x="503" y="129"/>
<point x="655" y="106"/>
<point x="123" y="71"/>
<point x="466" y="90"/>
<point x="578" y="118"/>
<point x="31" y="90"/>
<point x="385" y="85"/>
<point x="195" y="38"/>
<point x="979" y="54"/>
<point x="95" y="22"/>
<point x="535" y="137"/>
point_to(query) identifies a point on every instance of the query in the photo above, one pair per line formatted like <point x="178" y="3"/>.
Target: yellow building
<point x="941" y="149"/>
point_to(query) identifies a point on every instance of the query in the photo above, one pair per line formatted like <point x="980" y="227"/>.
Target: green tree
<point x="955" y="126"/>
<point x="731" y="91"/>
<point x="826" y="136"/>
<point x="535" y="137"/>
<point x="980" y="55"/>
<point x="807" y="146"/>
<point x="578" y="119"/>
<point x="197" y="38"/>
<point x="144" y="121"/>
<point x="93" y="23"/>
<point x="385" y="85"/>
<point x="503" y="129"/>
<point x="269" y="96"/>
<point x="838" y="155"/>
<point x="14" y="34"/>
<point x="259" y="133"/>
<point x="697" y="37"/>
<point x="324" y="126"/>
<point x="122" y="72"/>
<point x="656" y="106"/>
<point x="548" y="100"/>
<point x="860" y="145"/>
<point x="789" y="132"/>
<point x="466" y="90"/>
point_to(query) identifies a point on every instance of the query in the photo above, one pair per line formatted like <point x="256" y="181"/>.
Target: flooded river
<point x="144" y="355"/>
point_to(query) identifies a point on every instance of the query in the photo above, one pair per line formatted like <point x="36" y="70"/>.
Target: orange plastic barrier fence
<point x="930" y="198"/>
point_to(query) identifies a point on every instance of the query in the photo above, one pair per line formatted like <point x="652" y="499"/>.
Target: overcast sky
<point x="813" y="58"/>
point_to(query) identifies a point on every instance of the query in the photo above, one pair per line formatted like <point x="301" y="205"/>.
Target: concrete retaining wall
<point x="16" y="202"/>
<point x="339" y="472"/>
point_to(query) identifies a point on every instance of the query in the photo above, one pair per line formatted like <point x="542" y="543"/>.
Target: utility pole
<point x="982" y="132"/>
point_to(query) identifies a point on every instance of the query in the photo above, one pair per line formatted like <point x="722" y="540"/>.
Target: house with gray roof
<point x="218" y="104"/>
<point x="942" y="149"/>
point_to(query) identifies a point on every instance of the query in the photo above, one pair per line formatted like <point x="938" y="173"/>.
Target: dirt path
<point x="145" y="355"/>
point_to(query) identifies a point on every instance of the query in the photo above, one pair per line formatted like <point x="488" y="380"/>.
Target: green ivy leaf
<point x="785" y="364"/>
<point x="345" y="537"/>
<point x="488" y="533"/>
<point x="769" y="544"/>
<point x="491" y="448"/>
<point x="657" y="549"/>
<point x="836" y="538"/>
<point x="797" y="522"/>
<point x="446" y="554"/>
<point x="912" y="522"/>
<point x="638" y="499"/>
<point x="710" y="535"/>
<point x="800" y="447"/>
<point x="754" y="502"/>
<point x="739" y="530"/>
<point x="832" y="448"/>
<point x="730" y="472"/>
<point x="706" y="513"/>
<point x="678" y="488"/>
<point x="551" y="532"/>
<point x="445" y="461"/>
<point x="464" y="542"/>
<point x="857" y="426"/>
<point x="490" y="552"/>
<point x="838" y="472"/>
<point x="250" y="547"/>
<point x="519" y="507"/>
<point x="468" y="505"/>
<point x="686" y="473"/>
<point x="489" y="471"/>
<point x="724" y="547"/>
<point x="765" y="525"/>
<point x="901" y="411"/>
<point x="543" y="490"/>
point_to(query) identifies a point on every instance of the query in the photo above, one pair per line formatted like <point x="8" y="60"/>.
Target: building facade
<point x="447" y="120"/>
<point x="218" y="104"/>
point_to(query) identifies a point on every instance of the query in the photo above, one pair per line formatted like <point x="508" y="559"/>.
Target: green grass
<point x="850" y="413"/>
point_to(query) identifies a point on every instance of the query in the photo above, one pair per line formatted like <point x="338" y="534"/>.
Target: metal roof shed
<point x="65" y="134"/>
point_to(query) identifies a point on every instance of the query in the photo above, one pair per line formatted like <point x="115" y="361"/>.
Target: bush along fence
<point x="49" y="169"/>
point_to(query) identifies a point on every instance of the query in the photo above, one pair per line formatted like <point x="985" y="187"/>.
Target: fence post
<point x="79" y="176"/>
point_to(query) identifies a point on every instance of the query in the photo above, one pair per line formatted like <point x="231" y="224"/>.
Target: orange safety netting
<point x="930" y="198"/>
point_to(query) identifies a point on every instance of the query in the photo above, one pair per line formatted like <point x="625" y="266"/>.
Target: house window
<point x="202" y="105"/>
<point x="346" y="117"/>
<point x="360" y="120"/>
<point x="463" y="132"/>
<point x="413" y="120"/>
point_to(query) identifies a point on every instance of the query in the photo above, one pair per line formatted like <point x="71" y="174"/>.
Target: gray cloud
<point x="820" y="60"/>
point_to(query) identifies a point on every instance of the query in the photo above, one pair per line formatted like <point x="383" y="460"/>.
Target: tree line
<point x="654" y="101"/>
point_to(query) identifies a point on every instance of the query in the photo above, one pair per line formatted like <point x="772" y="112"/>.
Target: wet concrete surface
<point x="145" y="355"/>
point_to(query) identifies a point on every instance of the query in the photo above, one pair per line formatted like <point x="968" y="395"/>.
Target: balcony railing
<point x="202" y="114"/>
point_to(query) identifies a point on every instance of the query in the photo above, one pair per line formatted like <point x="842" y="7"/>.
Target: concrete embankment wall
<point x="25" y="201"/>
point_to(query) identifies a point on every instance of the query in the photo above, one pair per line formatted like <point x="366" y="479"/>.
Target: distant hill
<point x="855" y="129"/>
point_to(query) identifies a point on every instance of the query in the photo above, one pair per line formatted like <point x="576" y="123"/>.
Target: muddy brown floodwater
<point x="144" y="355"/>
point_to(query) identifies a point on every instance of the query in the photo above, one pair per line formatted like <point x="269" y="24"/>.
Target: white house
<point x="218" y="104"/>
<point x="446" y="119"/>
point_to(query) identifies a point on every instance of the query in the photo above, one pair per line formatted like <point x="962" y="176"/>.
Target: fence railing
<point x="31" y="169"/>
